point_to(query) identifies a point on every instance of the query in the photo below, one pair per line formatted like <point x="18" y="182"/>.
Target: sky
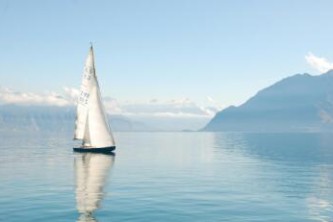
<point x="208" y="54"/>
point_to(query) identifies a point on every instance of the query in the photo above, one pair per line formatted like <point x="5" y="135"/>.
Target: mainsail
<point x="91" y="123"/>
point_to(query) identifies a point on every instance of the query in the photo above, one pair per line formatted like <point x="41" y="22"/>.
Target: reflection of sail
<point x="92" y="170"/>
<point x="319" y="202"/>
<point x="86" y="218"/>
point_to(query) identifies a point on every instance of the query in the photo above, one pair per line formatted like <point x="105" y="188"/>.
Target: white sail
<point x="92" y="170"/>
<point x="91" y="124"/>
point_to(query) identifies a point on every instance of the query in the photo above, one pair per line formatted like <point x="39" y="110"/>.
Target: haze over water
<point x="169" y="177"/>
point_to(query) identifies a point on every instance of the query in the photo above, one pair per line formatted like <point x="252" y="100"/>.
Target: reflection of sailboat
<point x="91" y="123"/>
<point x="92" y="170"/>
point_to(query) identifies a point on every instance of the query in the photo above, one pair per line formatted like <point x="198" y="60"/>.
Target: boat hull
<point x="94" y="150"/>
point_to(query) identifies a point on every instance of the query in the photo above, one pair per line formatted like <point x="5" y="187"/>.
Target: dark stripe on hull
<point x="94" y="150"/>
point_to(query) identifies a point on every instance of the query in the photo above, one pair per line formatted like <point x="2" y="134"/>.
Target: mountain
<point x="54" y="118"/>
<point x="300" y="103"/>
<point x="14" y="117"/>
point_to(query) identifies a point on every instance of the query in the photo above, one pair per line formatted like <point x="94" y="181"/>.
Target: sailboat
<point x="91" y="125"/>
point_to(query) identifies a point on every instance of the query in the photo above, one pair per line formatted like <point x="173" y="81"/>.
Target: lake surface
<point x="168" y="177"/>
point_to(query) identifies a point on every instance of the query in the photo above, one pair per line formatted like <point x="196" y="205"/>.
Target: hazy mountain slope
<point x="297" y="103"/>
<point x="54" y="118"/>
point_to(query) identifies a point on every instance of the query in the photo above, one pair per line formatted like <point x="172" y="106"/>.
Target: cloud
<point x="174" y="108"/>
<point x="321" y="64"/>
<point x="9" y="96"/>
<point x="67" y="97"/>
<point x="174" y="114"/>
<point x="214" y="107"/>
<point x="71" y="94"/>
<point x="177" y="108"/>
<point x="112" y="106"/>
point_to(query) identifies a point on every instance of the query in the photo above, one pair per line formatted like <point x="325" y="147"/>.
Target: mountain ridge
<point x="301" y="102"/>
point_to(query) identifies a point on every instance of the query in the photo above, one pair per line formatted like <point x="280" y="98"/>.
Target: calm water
<point x="168" y="177"/>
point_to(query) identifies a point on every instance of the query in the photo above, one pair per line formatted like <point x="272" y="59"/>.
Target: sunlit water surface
<point x="168" y="177"/>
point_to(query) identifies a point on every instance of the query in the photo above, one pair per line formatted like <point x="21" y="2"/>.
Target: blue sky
<point x="163" y="50"/>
